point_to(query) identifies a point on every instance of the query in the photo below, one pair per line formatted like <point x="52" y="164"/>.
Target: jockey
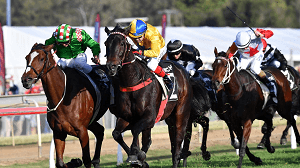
<point x="250" y="49"/>
<point x="273" y="57"/>
<point x="150" y="45"/>
<point x="186" y="55"/>
<point x="189" y="57"/>
<point x="70" y="45"/>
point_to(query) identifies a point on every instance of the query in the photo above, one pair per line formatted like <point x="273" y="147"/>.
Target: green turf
<point x="221" y="156"/>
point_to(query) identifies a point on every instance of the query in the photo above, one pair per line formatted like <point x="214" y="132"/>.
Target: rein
<point x="40" y="75"/>
<point x="228" y="73"/>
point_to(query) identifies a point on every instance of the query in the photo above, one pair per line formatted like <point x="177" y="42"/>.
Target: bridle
<point x="41" y="74"/>
<point x="228" y="72"/>
<point x="126" y="50"/>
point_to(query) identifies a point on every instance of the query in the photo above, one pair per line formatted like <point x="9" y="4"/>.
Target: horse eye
<point x="42" y="59"/>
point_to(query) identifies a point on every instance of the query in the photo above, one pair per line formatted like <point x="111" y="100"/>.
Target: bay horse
<point x="71" y="103"/>
<point x="201" y="104"/>
<point x="137" y="109"/>
<point x="295" y="105"/>
<point x="246" y="98"/>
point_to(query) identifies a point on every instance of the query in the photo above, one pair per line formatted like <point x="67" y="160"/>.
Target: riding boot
<point x="160" y="72"/>
<point x="207" y="84"/>
<point x="271" y="86"/>
<point x="100" y="79"/>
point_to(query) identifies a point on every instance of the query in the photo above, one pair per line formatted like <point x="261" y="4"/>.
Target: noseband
<point x="228" y="73"/>
<point x="126" y="50"/>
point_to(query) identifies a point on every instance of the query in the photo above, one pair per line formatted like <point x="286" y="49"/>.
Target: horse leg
<point x="85" y="146"/>
<point x="98" y="131"/>
<point x="146" y="140"/>
<point x="244" y="140"/>
<point x="176" y="133"/>
<point x="267" y="135"/>
<point x="185" y="153"/>
<point x="234" y="142"/>
<point x="117" y="134"/>
<point x="59" y="140"/>
<point x="283" y="139"/>
<point x="204" y="122"/>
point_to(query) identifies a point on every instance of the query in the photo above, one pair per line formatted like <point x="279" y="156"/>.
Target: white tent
<point x="19" y="40"/>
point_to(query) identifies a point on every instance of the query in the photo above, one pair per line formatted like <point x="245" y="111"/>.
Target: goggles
<point x="62" y="43"/>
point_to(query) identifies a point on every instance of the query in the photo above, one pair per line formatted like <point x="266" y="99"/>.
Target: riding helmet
<point x="242" y="39"/>
<point x="174" y="46"/>
<point x="137" y="28"/>
<point x="63" y="33"/>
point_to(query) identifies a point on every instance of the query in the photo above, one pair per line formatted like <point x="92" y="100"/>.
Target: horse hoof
<point x="76" y="162"/>
<point x="271" y="149"/>
<point x="206" y="156"/>
<point x="258" y="161"/>
<point x="283" y="141"/>
<point x="134" y="162"/>
<point x="141" y="156"/>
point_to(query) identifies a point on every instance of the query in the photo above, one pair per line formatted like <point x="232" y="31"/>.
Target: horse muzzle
<point x="27" y="82"/>
<point x="112" y="69"/>
<point x="216" y="85"/>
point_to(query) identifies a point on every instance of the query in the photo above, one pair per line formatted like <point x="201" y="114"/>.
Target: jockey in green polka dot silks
<point x="71" y="44"/>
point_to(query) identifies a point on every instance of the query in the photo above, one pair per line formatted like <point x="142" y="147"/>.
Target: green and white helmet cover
<point x="63" y="33"/>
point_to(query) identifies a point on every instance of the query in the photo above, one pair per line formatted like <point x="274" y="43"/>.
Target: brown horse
<point x="246" y="98"/>
<point x="71" y="103"/>
<point x="137" y="109"/>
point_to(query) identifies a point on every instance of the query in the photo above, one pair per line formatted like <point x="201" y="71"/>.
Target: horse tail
<point x="200" y="101"/>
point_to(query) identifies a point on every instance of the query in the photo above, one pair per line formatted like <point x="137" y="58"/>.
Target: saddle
<point x="168" y="68"/>
<point x="264" y="88"/>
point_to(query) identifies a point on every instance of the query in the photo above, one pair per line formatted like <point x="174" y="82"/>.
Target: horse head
<point x="117" y="48"/>
<point x="38" y="62"/>
<point x="223" y="67"/>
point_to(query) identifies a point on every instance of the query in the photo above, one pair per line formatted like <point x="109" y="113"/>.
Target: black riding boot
<point x="168" y="82"/>
<point x="100" y="79"/>
<point x="272" y="87"/>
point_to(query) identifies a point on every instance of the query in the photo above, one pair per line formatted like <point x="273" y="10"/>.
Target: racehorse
<point x="246" y="98"/>
<point x="202" y="103"/>
<point x="295" y="77"/>
<point x="139" y="96"/>
<point x="71" y="103"/>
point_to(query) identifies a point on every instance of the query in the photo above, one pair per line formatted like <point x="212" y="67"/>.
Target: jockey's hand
<point x="96" y="60"/>
<point x="258" y="34"/>
<point x="138" y="52"/>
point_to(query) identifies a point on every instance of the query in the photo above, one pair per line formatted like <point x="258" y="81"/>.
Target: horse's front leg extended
<point x="245" y="137"/>
<point x="59" y="141"/>
<point x="117" y="134"/>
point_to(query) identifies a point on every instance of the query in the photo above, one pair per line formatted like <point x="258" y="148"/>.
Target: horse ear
<point x="127" y="30"/>
<point x="107" y="30"/>
<point x="49" y="47"/>
<point x="216" y="51"/>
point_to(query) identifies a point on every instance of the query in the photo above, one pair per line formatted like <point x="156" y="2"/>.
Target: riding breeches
<point x="153" y="61"/>
<point x="253" y="63"/>
<point x="80" y="63"/>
